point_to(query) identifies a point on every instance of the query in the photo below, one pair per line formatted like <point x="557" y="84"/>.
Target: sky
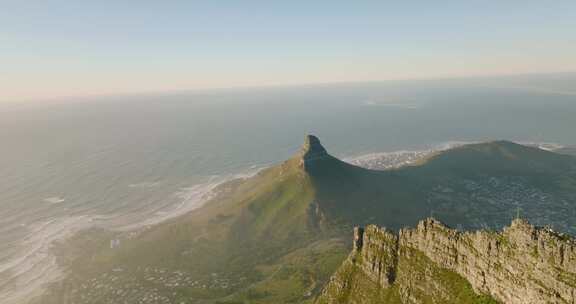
<point x="55" y="48"/>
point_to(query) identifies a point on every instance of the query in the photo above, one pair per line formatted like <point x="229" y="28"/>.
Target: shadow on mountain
<point x="278" y="236"/>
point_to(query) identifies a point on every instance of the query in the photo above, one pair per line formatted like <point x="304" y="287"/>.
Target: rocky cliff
<point x="311" y="151"/>
<point x="435" y="264"/>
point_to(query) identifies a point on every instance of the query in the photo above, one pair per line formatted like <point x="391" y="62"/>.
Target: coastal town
<point x="494" y="201"/>
<point x="148" y="285"/>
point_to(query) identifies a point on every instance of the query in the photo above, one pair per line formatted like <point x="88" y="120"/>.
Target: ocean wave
<point x="27" y="272"/>
<point x="144" y="185"/>
<point x="24" y="274"/>
<point x="189" y="199"/>
<point x="548" y="146"/>
<point x="54" y="200"/>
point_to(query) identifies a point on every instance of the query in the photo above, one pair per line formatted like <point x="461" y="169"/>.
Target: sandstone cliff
<point x="435" y="264"/>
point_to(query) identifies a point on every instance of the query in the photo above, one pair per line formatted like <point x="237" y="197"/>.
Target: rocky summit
<point x="435" y="264"/>
<point x="311" y="151"/>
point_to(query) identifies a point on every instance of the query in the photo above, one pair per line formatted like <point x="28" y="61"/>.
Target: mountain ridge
<point x="278" y="236"/>
<point x="521" y="264"/>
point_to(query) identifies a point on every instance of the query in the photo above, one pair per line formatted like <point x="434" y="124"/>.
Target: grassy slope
<point x="261" y="234"/>
<point x="494" y="158"/>
<point x="432" y="284"/>
<point x="356" y="196"/>
<point x="354" y="287"/>
<point x="418" y="280"/>
<point x="277" y="235"/>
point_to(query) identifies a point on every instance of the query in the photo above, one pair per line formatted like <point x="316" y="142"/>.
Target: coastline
<point x="37" y="266"/>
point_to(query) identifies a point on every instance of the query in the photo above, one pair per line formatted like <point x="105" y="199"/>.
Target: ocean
<point x="122" y="162"/>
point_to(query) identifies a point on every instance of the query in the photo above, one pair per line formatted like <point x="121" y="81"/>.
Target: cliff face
<point x="311" y="151"/>
<point x="433" y="263"/>
<point x="522" y="264"/>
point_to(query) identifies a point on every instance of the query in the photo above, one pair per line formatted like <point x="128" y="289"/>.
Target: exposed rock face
<point x="522" y="264"/>
<point x="377" y="250"/>
<point x="311" y="151"/>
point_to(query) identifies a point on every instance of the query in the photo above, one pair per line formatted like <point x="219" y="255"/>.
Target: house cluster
<point x="147" y="285"/>
<point x="492" y="202"/>
<point x="391" y="160"/>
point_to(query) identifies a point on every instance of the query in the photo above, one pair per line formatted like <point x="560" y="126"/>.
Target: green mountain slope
<point x="485" y="185"/>
<point x="266" y="233"/>
<point x="496" y="158"/>
<point x="278" y="236"/>
<point x="348" y="195"/>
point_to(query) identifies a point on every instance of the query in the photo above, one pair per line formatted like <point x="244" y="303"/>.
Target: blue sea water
<point x="126" y="160"/>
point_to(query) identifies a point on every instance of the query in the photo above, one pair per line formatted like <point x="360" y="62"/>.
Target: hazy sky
<point x="51" y="48"/>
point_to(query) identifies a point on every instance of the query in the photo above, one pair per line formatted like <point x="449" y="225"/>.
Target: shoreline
<point x="35" y="266"/>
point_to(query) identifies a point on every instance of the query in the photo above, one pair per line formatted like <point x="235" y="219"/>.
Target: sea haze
<point x="124" y="162"/>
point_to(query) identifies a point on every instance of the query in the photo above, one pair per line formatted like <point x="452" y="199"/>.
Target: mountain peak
<point x="311" y="151"/>
<point x="312" y="145"/>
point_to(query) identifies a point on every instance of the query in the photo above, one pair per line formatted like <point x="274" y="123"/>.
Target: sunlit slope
<point x="433" y="263"/>
<point x="272" y="206"/>
<point x="244" y="239"/>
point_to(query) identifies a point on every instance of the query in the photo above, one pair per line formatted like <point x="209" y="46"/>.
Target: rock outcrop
<point x="311" y="151"/>
<point x="433" y="263"/>
<point x="378" y="249"/>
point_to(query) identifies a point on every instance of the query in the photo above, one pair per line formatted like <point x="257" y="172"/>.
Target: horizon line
<point x="65" y="98"/>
